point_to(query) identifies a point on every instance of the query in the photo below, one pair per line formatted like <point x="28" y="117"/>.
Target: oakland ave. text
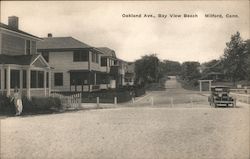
<point x="159" y="15"/>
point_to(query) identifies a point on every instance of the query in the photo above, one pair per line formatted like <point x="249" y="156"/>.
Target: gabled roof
<point x="18" y="59"/>
<point x="107" y="51"/>
<point x="16" y="30"/>
<point x="61" y="43"/>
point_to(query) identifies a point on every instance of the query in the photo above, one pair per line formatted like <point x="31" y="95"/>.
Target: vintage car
<point x="220" y="97"/>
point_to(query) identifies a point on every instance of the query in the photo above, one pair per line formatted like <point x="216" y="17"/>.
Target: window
<point x="97" y="58"/>
<point x="5" y="78"/>
<point x="37" y="79"/>
<point x="81" y="55"/>
<point x="103" y="61"/>
<point x="58" y="79"/>
<point x="40" y="75"/>
<point x="47" y="79"/>
<point x="28" y="47"/>
<point x="0" y="80"/>
<point x="93" y="57"/>
<point x="14" y="78"/>
<point x="45" y="55"/>
<point x="33" y="47"/>
<point x="24" y="78"/>
<point x="79" y="78"/>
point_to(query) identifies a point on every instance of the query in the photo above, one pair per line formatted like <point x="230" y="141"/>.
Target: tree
<point x="170" y="67"/>
<point x="190" y="71"/>
<point x="248" y="58"/>
<point x="235" y="58"/>
<point x="147" y="69"/>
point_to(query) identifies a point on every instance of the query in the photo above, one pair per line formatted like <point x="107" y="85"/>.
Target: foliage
<point x="171" y="68"/>
<point x="190" y="71"/>
<point x="235" y="58"/>
<point x="39" y="104"/>
<point x="6" y="106"/>
<point x="212" y="66"/>
<point x="147" y="69"/>
<point x="248" y="59"/>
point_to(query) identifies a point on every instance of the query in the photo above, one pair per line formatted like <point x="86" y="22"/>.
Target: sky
<point x="101" y="24"/>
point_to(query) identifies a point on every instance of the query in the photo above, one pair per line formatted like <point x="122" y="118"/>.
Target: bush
<point x="41" y="104"/>
<point x="6" y="106"/>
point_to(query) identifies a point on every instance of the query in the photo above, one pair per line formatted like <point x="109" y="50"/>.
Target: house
<point x="108" y="67"/>
<point x="115" y="67"/>
<point x="20" y="65"/>
<point x="130" y="74"/>
<point x="76" y="64"/>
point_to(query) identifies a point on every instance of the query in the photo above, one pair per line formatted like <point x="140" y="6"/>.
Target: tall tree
<point x="190" y="71"/>
<point x="248" y="58"/>
<point x="235" y="58"/>
<point x="171" y="67"/>
<point x="147" y="69"/>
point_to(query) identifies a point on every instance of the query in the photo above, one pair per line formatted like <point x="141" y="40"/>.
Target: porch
<point x="88" y="81"/>
<point x="31" y="77"/>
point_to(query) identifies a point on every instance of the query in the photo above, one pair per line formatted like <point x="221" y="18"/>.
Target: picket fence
<point x="69" y="101"/>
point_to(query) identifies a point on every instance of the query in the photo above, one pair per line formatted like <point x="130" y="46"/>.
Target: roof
<point x="18" y="59"/>
<point x="61" y="43"/>
<point x="107" y="51"/>
<point x="16" y="30"/>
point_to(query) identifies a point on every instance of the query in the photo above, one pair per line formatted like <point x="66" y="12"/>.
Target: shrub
<point x="6" y="106"/>
<point x="40" y="104"/>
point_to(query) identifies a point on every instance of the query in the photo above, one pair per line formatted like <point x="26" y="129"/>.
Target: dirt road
<point x="138" y="132"/>
<point x="174" y="96"/>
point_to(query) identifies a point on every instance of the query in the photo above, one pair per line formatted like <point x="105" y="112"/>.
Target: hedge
<point x="41" y="104"/>
<point x="33" y="105"/>
<point x="6" y="106"/>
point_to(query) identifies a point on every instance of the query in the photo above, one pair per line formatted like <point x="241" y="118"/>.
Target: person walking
<point x="17" y="101"/>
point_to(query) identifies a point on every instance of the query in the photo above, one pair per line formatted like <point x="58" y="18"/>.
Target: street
<point x="178" y="125"/>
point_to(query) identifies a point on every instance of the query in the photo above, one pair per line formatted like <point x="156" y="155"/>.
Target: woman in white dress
<point x="17" y="101"/>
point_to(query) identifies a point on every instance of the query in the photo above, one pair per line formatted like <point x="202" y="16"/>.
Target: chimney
<point x="50" y="35"/>
<point x="13" y="22"/>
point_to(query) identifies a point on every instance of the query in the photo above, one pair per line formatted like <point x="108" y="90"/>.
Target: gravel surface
<point x="126" y="132"/>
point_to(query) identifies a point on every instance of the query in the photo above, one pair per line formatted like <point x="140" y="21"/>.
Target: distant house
<point x="115" y="67"/>
<point x="130" y="74"/>
<point x="20" y="65"/>
<point x="76" y="64"/>
<point x="108" y="66"/>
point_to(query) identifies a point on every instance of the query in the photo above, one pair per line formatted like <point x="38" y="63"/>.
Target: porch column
<point x="21" y="80"/>
<point x="28" y="82"/>
<point x="200" y="86"/>
<point x="45" y="82"/>
<point x="89" y="68"/>
<point x="2" y="79"/>
<point x="8" y="81"/>
<point x="50" y="81"/>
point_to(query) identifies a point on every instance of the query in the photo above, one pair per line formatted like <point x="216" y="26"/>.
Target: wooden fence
<point x="71" y="101"/>
<point x="241" y="91"/>
<point x="244" y="98"/>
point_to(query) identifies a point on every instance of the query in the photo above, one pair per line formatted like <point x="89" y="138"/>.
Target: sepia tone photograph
<point x="125" y="79"/>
